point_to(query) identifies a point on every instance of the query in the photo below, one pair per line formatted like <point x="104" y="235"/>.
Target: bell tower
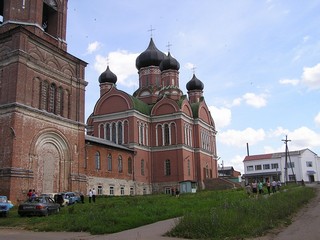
<point x="42" y="94"/>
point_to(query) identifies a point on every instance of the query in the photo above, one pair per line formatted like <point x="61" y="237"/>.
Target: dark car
<point x="38" y="206"/>
<point x="61" y="199"/>
<point x="5" y="206"/>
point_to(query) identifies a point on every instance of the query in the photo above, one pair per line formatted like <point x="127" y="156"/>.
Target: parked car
<point x="61" y="199"/>
<point x="72" y="197"/>
<point x="41" y="206"/>
<point x="5" y="206"/>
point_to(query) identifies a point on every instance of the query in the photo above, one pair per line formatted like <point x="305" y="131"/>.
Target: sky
<point x="259" y="61"/>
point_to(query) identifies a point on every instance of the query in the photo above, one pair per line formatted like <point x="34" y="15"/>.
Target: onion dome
<point x="152" y="56"/>
<point x="107" y="77"/>
<point x="194" y="84"/>
<point x="169" y="62"/>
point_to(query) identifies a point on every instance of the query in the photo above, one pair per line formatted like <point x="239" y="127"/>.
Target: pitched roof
<point x="106" y="142"/>
<point x="273" y="155"/>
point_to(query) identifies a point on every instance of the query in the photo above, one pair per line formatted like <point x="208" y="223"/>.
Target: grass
<point x="206" y="215"/>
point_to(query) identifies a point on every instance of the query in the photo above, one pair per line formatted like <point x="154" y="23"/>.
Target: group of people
<point x="256" y="187"/>
<point x="31" y="194"/>
<point x="92" y="195"/>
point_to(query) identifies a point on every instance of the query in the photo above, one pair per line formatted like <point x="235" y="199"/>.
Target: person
<point x="268" y="186"/>
<point x="90" y="195"/>
<point x="29" y="194"/>
<point x="279" y="185"/>
<point x="260" y="187"/>
<point x="302" y="182"/>
<point x="94" y="195"/>
<point x="274" y="184"/>
<point x="177" y="192"/>
<point x="82" y="197"/>
<point x="34" y="194"/>
<point x="254" y="187"/>
<point x="248" y="189"/>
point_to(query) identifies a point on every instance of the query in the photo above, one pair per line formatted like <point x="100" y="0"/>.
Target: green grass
<point x="206" y="215"/>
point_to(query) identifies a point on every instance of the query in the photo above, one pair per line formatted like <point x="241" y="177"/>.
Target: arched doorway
<point x="52" y="166"/>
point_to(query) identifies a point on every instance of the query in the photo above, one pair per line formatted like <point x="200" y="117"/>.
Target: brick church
<point x="152" y="141"/>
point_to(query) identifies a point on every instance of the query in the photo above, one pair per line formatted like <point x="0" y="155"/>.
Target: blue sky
<point x="259" y="62"/>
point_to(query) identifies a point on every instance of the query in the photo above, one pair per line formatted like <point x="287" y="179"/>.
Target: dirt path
<point x="305" y="224"/>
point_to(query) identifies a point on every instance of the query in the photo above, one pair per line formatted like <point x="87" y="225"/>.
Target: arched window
<point x="59" y="108"/>
<point x="120" y="133"/>
<point x="108" y="131"/>
<point x="97" y="161"/>
<point x="44" y="95"/>
<point x="129" y="165"/>
<point x="109" y="162"/>
<point x="52" y="98"/>
<point x="166" y="135"/>
<point x="142" y="167"/>
<point x="120" y="164"/>
<point x="114" y="132"/>
<point x="167" y="168"/>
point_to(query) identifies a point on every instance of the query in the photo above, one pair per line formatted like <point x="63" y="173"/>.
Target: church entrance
<point x="52" y="168"/>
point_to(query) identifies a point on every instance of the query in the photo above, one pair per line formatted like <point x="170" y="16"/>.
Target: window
<point x="52" y="98"/>
<point x="108" y="132"/>
<point x="167" y="190"/>
<point x="274" y="166"/>
<point x="109" y="162"/>
<point x="131" y="191"/>
<point x="129" y="165"/>
<point x="121" y="190"/>
<point x="120" y="133"/>
<point x="97" y="161"/>
<point x="120" y="166"/>
<point x="144" y="191"/>
<point x="257" y="167"/>
<point x="266" y="166"/>
<point x="166" y="135"/>
<point x="249" y="168"/>
<point x="167" y="168"/>
<point x="189" y="171"/>
<point x="309" y="164"/>
<point x="99" y="190"/>
<point x="114" y="133"/>
<point x="142" y="167"/>
<point x="290" y="165"/>
<point x="50" y="17"/>
<point x="292" y="177"/>
<point x="111" y="191"/>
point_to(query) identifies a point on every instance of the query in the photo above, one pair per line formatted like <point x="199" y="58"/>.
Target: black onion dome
<point x="152" y="56"/>
<point x="169" y="62"/>
<point x="107" y="76"/>
<point x="194" y="84"/>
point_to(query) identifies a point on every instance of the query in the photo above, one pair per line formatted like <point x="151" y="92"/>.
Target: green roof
<point x="141" y="106"/>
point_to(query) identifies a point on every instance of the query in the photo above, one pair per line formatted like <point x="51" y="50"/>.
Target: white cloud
<point x="241" y="138"/>
<point x="92" y="47"/>
<point x="317" y="119"/>
<point x="300" y="138"/>
<point x="221" y="116"/>
<point x="189" y="66"/>
<point x="311" y="76"/>
<point x="293" y="82"/>
<point x="122" y="64"/>
<point x="254" y="100"/>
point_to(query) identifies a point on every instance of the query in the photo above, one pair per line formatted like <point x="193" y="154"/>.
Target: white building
<point x="301" y="165"/>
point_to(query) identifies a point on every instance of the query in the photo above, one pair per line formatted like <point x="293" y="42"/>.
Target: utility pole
<point x="286" y="158"/>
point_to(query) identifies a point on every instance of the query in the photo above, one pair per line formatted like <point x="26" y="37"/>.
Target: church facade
<point x="172" y="135"/>
<point x="152" y="141"/>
